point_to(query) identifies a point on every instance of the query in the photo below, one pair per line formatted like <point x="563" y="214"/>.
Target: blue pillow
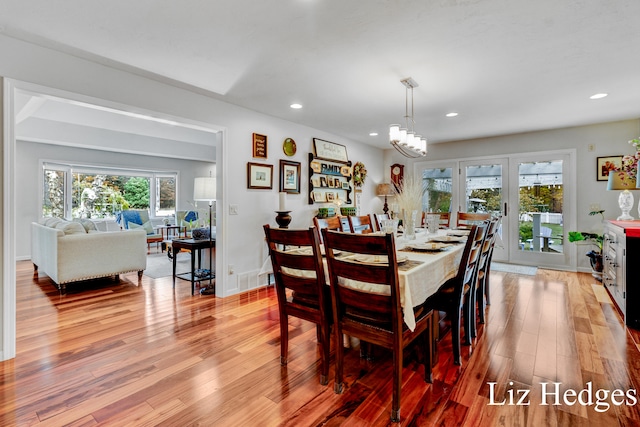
<point x="191" y="216"/>
<point x="131" y="216"/>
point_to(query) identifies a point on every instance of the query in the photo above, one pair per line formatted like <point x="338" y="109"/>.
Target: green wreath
<point x="359" y="174"/>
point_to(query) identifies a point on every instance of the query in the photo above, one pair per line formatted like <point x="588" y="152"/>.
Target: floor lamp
<point x="204" y="189"/>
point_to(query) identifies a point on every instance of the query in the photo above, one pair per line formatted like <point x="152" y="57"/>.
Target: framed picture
<point x="318" y="196"/>
<point x="259" y="176"/>
<point x="289" y="177"/>
<point x="605" y="165"/>
<point x="315" y="181"/>
<point x="345" y="185"/>
<point x="323" y="181"/>
<point x="330" y="150"/>
<point x="330" y="182"/>
<point x="259" y="146"/>
<point x="330" y="197"/>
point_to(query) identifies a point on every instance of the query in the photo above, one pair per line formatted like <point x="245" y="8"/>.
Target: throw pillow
<point x="191" y="216"/>
<point x="131" y="216"/>
<point x="86" y="223"/>
<point x="70" y="227"/>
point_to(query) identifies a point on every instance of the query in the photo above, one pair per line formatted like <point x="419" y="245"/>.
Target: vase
<point x="410" y="225"/>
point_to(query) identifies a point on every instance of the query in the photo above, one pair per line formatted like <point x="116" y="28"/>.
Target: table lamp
<point x="622" y="182"/>
<point x="204" y="188"/>
<point x="384" y="190"/>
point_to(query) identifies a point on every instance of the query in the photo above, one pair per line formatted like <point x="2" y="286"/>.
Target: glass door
<point x="540" y="198"/>
<point x="482" y="190"/>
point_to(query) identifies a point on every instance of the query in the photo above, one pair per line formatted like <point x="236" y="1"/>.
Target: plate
<point x="376" y="259"/>
<point x="458" y="232"/>
<point x="448" y="239"/>
<point x="430" y="247"/>
<point x="289" y="147"/>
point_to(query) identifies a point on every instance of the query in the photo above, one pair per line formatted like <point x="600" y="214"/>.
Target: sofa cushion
<point x="86" y="223"/>
<point x="147" y="226"/>
<point x="70" y="227"/>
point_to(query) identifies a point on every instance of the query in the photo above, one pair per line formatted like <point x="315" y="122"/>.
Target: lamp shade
<point x="620" y="181"/>
<point x="204" y="188"/>
<point x="384" y="190"/>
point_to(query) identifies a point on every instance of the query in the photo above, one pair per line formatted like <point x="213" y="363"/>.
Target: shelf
<point x="326" y="170"/>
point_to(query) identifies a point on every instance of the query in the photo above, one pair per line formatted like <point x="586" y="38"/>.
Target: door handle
<point x="505" y="208"/>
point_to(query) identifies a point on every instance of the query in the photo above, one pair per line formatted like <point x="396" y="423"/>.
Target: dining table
<point x="424" y="265"/>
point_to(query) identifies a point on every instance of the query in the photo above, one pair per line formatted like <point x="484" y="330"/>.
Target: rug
<point x="514" y="268"/>
<point x="160" y="265"/>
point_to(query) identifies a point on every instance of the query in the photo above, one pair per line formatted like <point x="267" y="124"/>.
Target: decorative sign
<point x="259" y="146"/>
<point x="330" y="150"/>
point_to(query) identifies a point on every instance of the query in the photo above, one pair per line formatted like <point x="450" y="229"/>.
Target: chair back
<point x="297" y="265"/>
<point x="378" y="218"/>
<point x="361" y="224"/>
<point x="488" y="243"/>
<point x="445" y="218"/>
<point x="467" y="219"/>
<point x="331" y="223"/>
<point x="364" y="294"/>
<point x="468" y="270"/>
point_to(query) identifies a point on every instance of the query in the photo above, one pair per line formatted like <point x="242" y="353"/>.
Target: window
<point x="73" y="191"/>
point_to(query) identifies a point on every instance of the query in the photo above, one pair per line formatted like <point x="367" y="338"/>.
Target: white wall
<point x="27" y="184"/>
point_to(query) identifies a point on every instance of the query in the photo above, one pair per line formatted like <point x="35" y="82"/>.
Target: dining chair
<point x="331" y="223"/>
<point x="365" y="300"/>
<point x="487" y="245"/>
<point x="445" y="218"/>
<point x="485" y="270"/>
<point x="455" y="296"/>
<point x="301" y="271"/>
<point x="361" y="224"/>
<point x="378" y="218"/>
<point x="467" y="219"/>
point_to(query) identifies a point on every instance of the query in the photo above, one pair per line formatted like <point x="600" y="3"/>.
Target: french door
<point x="533" y="193"/>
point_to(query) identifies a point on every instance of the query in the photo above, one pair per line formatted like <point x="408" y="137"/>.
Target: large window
<point x="91" y="192"/>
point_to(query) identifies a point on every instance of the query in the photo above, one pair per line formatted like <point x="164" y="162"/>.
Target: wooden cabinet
<point x="621" y="274"/>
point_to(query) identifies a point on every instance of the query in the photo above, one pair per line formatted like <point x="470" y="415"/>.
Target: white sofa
<point x="69" y="251"/>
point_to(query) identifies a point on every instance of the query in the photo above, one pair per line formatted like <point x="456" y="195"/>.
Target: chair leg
<point x="427" y="337"/>
<point x="284" y="339"/>
<point x="486" y="284"/>
<point x="455" y="336"/>
<point x="480" y="299"/>
<point x="397" y="385"/>
<point x="338" y="386"/>
<point x="325" y="342"/>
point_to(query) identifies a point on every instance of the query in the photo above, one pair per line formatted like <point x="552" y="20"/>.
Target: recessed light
<point x="598" y="95"/>
<point x="451" y="114"/>
<point x="296" y="106"/>
<point x="373" y="134"/>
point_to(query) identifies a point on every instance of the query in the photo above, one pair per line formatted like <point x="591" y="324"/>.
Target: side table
<point x="192" y="246"/>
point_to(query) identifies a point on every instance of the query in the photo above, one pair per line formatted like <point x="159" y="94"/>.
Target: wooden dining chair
<point x="445" y="218"/>
<point x="485" y="267"/>
<point x="455" y="296"/>
<point x="331" y="223"/>
<point x="361" y="224"/>
<point x="378" y="218"/>
<point x="301" y="271"/>
<point x="365" y="299"/>
<point x="467" y="219"/>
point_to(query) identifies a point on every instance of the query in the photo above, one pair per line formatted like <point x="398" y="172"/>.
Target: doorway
<point x="13" y="115"/>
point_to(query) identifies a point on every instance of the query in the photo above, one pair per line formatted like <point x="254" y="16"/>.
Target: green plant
<point x="594" y="238"/>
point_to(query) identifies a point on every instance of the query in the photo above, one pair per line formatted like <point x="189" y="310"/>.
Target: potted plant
<point x="595" y="255"/>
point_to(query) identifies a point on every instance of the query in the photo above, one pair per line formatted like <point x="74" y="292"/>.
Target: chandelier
<point x="405" y="139"/>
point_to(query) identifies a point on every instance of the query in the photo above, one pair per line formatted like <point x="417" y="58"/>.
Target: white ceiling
<point x="506" y="66"/>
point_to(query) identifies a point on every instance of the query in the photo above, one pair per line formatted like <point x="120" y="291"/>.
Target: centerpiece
<point x="409" y="196"/>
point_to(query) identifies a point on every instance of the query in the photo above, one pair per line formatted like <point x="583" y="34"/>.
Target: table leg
<point x="174" y="271"/>
<point x="193" y="271"/>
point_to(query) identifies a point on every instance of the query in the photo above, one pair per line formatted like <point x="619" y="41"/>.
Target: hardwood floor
<point x="130" y="353"/>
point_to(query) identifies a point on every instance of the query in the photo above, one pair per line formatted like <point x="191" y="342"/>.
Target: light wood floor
<point x="132" y="353"/>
